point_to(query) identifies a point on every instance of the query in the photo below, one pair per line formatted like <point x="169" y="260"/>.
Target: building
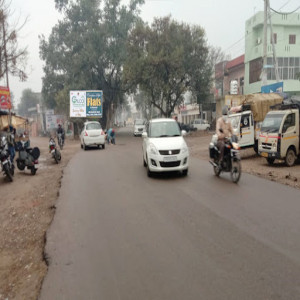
<point x="228" y="72"/>
<point x="286" y="37"/>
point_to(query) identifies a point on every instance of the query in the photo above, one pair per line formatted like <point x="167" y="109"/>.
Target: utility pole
<point x="264" y="71"/>
<point x="5" y="56"/>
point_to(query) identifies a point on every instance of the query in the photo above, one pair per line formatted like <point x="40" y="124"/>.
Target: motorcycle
<point x="60" y="141"/>
<point x="54" y="151"/>
<point x="28" y="157"/>
<point x="7" y="166"/>
<point x="231" y="161"/>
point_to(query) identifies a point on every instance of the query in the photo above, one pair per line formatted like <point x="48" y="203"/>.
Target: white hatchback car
<point x="164" y="148"/>
<point x="139" y="127"/>
<point x="92" y="135"/>
<point x="200" y="124"/>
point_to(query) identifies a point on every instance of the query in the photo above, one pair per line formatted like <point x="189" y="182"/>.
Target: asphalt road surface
<point x="118" y="234"/>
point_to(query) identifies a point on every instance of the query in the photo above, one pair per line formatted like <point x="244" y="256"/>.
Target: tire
<point x="270" y="161"/>
<point x="185" y="172"/>
<point x="33" y="171"/>
<point x="81" y="146"/>
<point x="84" y="146"/>
<point x="217" y="169"/>
<point x="144" y="163"/>
<point x="8" y="173"/>
<point x="236" y="171"/>
<point x="290" y="157"/>
<point x="20" y="165"/>
<point x="149" y="173"/>
<point x="56" y="157"/>
<point x="256" y="147"/>
<point x="103" y="146"/>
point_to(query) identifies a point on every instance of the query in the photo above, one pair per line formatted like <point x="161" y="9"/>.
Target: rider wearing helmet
<point x="224" y="130"/>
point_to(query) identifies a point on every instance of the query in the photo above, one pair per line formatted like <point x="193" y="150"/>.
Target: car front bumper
<point x="161" y="163"/>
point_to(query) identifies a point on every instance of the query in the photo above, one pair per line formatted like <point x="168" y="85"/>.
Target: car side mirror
<point x="144" y="134"/>
<point x="183" y="132"/>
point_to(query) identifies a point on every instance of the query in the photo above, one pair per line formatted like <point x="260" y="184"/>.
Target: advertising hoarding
<point x="86" y="104"/>
<point x="5" y="102"/>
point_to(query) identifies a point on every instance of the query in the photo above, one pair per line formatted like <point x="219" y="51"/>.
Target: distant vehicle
<point x="187" y="127"/>
<point x="92" y="135"/>
<point x="164" y="148"/>
<point x="200" y="124"/>
<point x="139" y="127"/>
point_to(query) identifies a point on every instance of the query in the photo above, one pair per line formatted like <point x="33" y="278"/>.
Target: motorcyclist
<point x="61" y="131"/>
<point x="224" y="130"/>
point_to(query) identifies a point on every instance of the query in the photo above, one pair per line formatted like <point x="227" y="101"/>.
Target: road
<point x="118" y="234"/>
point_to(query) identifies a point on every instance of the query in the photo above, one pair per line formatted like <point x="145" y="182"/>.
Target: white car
<point x="200" y="124"/>
<point x="164" y="148"/>
<point x="92" y="135"/>
<point x="139" y="127"/>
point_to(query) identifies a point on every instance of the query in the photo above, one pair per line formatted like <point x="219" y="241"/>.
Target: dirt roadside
<point x="27" y="207"/>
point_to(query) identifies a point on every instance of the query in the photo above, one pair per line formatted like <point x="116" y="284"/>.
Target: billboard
<point x="272" y="88"/>
<point x="5" y="102"/>
<point x="86" y="104"/>
<point x="52" y="121"/>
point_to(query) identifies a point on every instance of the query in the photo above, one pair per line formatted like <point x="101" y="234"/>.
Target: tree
<point x="86" y="51"/>
<point x="29" y="100"/>
<point x="12" y="58"/>
<point x="167" y="60"/>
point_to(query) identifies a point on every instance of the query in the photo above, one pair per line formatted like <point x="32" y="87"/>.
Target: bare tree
<point x="12" y="58"/>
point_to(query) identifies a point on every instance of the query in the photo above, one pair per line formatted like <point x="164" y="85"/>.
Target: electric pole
<point x="264" y="70"/>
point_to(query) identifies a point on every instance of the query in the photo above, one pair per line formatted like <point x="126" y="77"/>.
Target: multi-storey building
<point x="286" y="37"/>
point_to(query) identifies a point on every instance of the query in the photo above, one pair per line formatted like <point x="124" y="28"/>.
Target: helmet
<point x="225" y="110"/>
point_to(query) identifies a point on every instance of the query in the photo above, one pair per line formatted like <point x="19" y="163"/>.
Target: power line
<point x="281" y="13"/>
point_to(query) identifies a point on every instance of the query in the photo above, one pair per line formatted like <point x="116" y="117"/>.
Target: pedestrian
<point x="111" y="136"/>
<point x="11" y="142"/>
<point x="176" y="119"/>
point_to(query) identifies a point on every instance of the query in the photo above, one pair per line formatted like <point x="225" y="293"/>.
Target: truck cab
<point x="279" y="137"/>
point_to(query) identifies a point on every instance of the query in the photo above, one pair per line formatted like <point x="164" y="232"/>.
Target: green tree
<point x="167" y="60"/>
<point x="86" y="51"/>
<point x="12" y="57"/>
<point x="29" y="100"/>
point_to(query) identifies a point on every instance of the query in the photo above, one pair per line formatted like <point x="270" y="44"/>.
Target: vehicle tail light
<point x="85" y="133"/>
<point x="52" y="147"/>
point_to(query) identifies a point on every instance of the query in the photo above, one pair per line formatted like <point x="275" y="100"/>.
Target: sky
<point x="222" y="20"/>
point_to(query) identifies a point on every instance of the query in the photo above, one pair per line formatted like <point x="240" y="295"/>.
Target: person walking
<point x="11" y="142"/>
<point x="111" y="136"/>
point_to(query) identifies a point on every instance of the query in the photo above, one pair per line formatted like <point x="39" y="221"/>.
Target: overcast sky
<point x="223" y="21"/>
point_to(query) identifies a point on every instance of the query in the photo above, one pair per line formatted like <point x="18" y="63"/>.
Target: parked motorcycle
<point x="231" y="161"/>
<point x="28" y="157"/>
<point x="60" y="141"/>
<point x="7" y="166"/>
<point x="54" y="151"/>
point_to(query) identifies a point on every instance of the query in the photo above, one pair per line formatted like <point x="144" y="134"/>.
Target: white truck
<point x="279" y="137"/>
<point x="246" y="118"/>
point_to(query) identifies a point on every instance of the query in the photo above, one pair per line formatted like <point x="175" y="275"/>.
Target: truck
<point x="279" y="135"/>
<point x="247" y="114"/>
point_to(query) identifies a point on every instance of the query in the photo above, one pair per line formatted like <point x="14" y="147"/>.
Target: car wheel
<point x="185" y="172"/>
<point x="149" y="173"/>
<point x="84" y="146"/>
<point x="103" y="146"/>
<point x="81" y="146"/>
<point x="290" y="158"/>
<point x="145" y="165"/>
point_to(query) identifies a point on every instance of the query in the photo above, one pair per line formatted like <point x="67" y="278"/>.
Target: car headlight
<point x="184" y="149"/>
<point x="152" y="149"/>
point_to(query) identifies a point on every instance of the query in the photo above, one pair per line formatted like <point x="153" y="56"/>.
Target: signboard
<point x="86" y="104"/>
<point x="272" y="88"/>
<point x="5" y="102"/>
<point x="52" y="121"/>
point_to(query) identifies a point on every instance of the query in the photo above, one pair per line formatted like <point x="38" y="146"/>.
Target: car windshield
<point x="93" y="126"/>
<point x="164" y="129"/>
<point x="272" y="123"/>
<point x="139" y="122"/>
